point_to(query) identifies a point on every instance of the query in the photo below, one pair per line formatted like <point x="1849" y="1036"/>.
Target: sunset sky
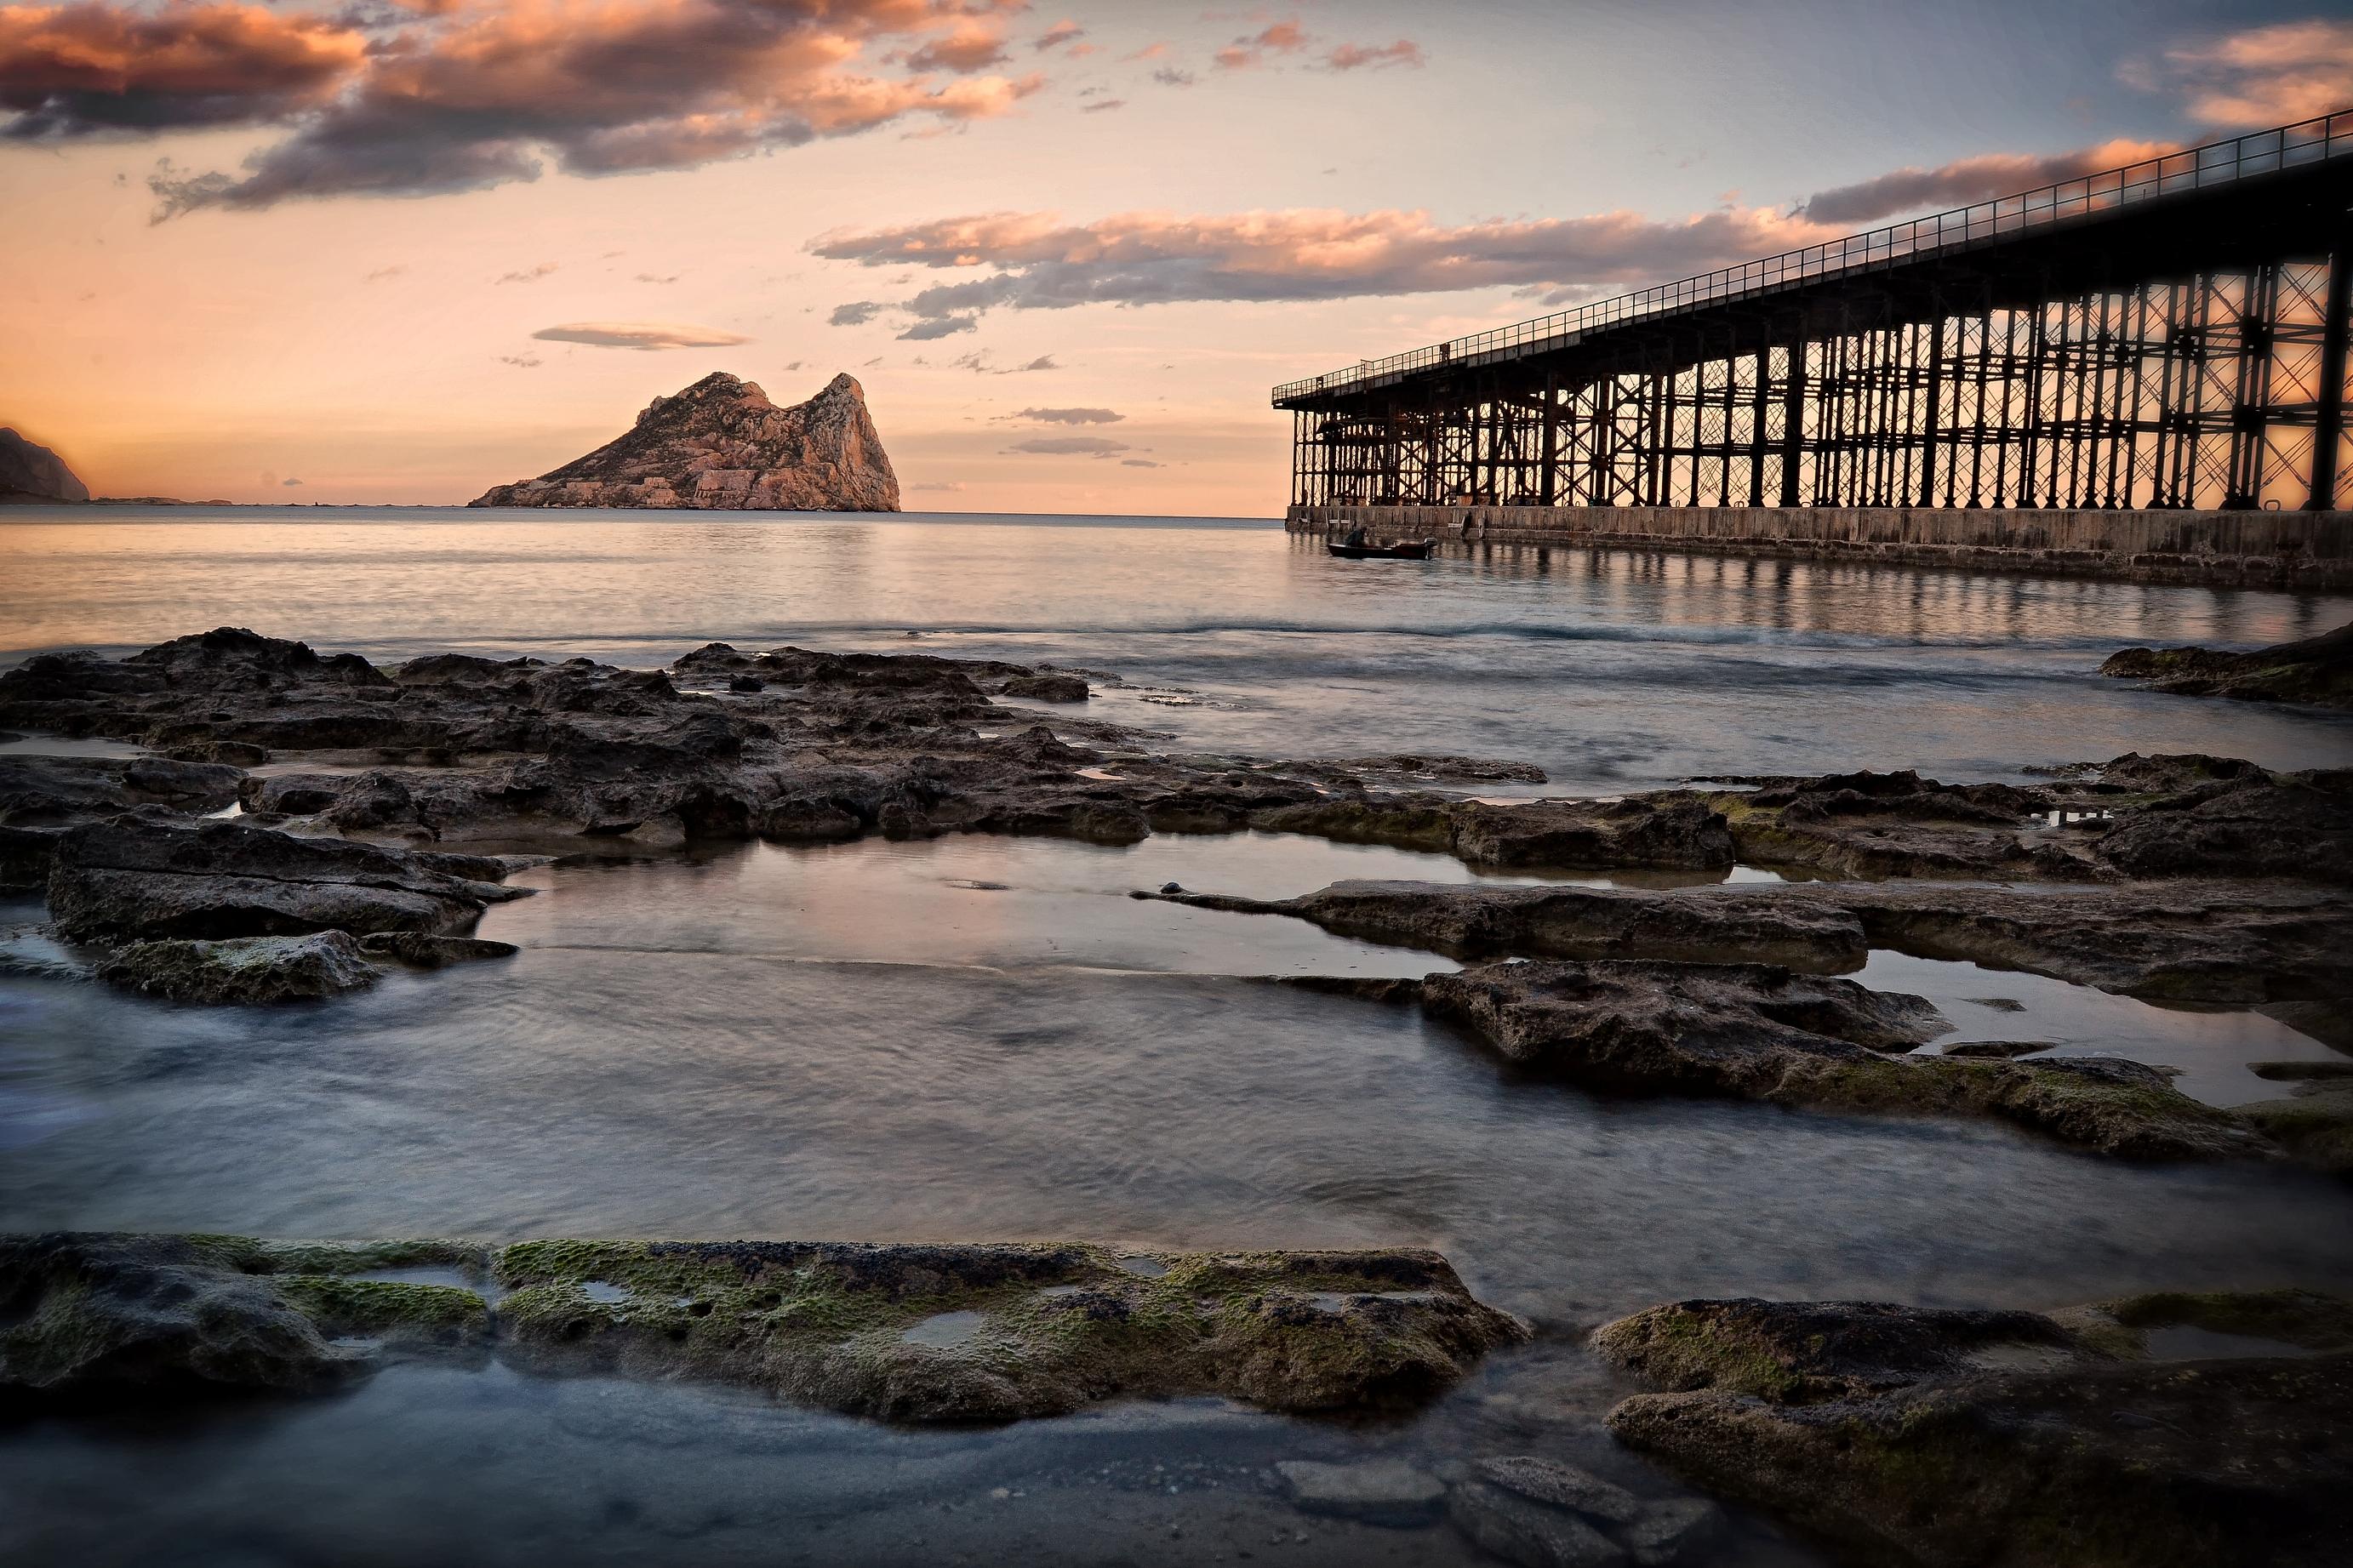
<point x="401" y="250"/>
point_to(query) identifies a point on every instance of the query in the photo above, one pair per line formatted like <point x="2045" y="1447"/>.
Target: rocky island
<point x="721" y="444"/>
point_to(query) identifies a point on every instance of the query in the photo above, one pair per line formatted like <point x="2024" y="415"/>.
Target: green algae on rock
<point x="2317" y="670"/>
<point x="905" y="1333"/>
<point x="1927" y="1436"/>
<point x="996" y="1333"/>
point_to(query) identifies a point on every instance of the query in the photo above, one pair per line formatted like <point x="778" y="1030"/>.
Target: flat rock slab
<point x="1039" y="1330"/>
<point x="1958" y="1438"/>
<point x="128" y="879"/>
<point x="1758" y="1032"/>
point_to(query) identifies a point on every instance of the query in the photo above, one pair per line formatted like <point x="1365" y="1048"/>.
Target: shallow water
<point x="1612" y="670"/>
<point x="983" y="1037"/>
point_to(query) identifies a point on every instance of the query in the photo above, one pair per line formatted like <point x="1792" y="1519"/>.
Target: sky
<point x="397" y="251"/>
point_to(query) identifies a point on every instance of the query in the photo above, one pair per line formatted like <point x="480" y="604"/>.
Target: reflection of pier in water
<point x="2161" y="339"/>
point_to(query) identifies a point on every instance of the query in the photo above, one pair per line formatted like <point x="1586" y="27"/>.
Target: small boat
<point x="1413" y="550"/>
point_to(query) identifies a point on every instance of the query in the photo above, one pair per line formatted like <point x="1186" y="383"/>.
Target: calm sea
<point x="983" y="1038"/>
<point x="1612" y="670"/>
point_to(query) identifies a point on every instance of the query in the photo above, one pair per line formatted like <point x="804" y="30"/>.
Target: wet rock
<point x="254" y="969"/>
<point x="1869" y="825"/>
<point x="1471" y="770"/>
<point x="128" y="879"/>
<point x="1046" y="688"/>
<point x="1673" y="1531"/>
<point x="1039" y="1329"/>
<point x="423" y="950"/>
<point x="1520" y="1532"/>
<point x="746" y="683"/>
<point x="2001" y="1050"/>
<point x="1571" y="922"/>
<point x="59" y="790"/>
<point x="1676" y="832"/>
<point x="1956" y="1438"/>
<point x="1561" y="1486"/>
<point x="2313" y="1123"/>
<point x="2317" y="670"/>
<point x="88" y="1320"/>
<point x="1381" y="1491"/>
<point x="1758" y="1032"/>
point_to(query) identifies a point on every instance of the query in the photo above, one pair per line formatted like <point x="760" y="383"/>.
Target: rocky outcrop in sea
<point x="721" y="444"/>
<point x="31" y="472"/>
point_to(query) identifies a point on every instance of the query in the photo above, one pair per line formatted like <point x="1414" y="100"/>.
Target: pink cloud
<point x="2264" y="76"/>
<point x="1280" y="38"/>
<point x="424" y="97"/>
<point x="1373" y="56"/>
<point x="1035" y="261"/>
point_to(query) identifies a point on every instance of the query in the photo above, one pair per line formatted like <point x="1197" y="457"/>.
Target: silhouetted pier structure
<point x="2167" y="337"/>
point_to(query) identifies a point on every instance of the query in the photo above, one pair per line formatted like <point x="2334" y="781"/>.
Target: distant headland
<point x="721" y="444"/>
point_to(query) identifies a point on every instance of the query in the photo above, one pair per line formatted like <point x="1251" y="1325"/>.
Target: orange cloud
<point x="421" y="96"/>
<point x="2267" y="75"/>
<point x="1373" y="56"/>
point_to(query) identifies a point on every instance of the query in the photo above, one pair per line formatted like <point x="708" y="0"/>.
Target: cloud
<point x="1062" y="32"/>
<point x="1280" y="38"/>
<point x="89" y="69"/>
<point x="1169" y="76"/>
<point x="952" y="486"/>
<point x="933" y="327"/>
<point x="1140" y="463"/>
<point x="856" y="314"/>
<point x="433" y="97"/>
<point x="533" y="276"/>
<point x="1148" y="52"/>
<point x="1105" y="106"/>
<point x="1967" y="180"/>
<point x="638" y="335"/>
<point x="1374" y="56"/>
<point x="381" y="273"/>
<point x="1068" y="416"/>
<point x="977" y="363"/>
<point x="288" y="483"/>
<point x="971" y="45"/>
<point x="1035" y="261"/>
<point x="2260" y="76"/>
<point x="521" y="362"/>
<point x="1071" y="447"/>
<point x="650" y="277"/>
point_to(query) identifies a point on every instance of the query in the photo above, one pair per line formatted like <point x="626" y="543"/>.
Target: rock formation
<point x="722" y="445"/>
<point x="29" y="472"/>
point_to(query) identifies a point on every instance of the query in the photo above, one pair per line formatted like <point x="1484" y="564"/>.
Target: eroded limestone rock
<point x="2316" y="670"/>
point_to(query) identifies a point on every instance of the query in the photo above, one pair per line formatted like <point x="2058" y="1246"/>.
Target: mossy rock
<point x="1936" y="1437"/>
<point x="2314" y="1125"/>
<point x="996" y="1333"/>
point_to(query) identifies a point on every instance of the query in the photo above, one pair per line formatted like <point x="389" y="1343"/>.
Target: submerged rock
<point x="1384" y="1492"/>
<point x="2317" y="670"/>
<point x="242" y="969"/>
<point x="2313" y="1123"/>
<point x="424" y="951"/>
<point x="1959" y="1438"/>
<point x="131" y="879"/>
<point x="1510" y="1527"/>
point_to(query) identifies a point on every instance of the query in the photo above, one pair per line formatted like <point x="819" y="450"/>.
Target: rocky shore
<point x="2158" y="1430"/>
<point x="2316" y="670"/>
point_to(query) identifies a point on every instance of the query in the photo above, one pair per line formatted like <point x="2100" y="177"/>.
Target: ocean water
<point x="983" y="1038"/>
<point x="1612" y="670"/>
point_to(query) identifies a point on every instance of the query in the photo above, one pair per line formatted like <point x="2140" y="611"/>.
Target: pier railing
<point x="2066" y="201"/>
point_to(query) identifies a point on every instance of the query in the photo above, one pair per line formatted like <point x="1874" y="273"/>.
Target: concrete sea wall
<point x="2291" y="550"/>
